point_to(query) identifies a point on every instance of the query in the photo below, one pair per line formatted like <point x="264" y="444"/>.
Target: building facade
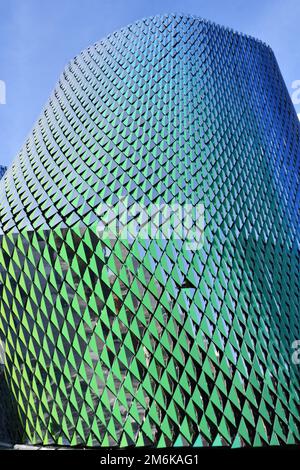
<point x="117" y="341"/>
<point x="2" y="170"/>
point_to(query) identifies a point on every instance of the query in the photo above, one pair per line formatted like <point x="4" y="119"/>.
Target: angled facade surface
<point x="2" y="171"/>
<point x="119" y="342"/>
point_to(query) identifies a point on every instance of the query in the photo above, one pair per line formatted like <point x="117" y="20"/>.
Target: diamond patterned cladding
<point x="145" y="343"/>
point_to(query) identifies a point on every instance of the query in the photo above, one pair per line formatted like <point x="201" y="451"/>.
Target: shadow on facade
<point x="11" y="429"/>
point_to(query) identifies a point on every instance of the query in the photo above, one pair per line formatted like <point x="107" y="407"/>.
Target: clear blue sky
<point x="37" y="39"/>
